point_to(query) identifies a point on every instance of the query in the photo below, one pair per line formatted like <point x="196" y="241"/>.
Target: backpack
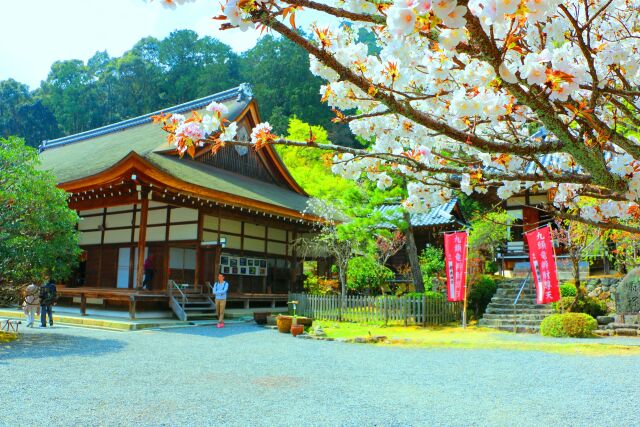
<point x="48" y="294"/>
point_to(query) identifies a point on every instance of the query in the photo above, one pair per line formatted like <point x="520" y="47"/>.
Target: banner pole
<point x="466" y="279"/>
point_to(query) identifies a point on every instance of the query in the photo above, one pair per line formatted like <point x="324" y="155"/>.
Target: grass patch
<point x="473" y="337"/>
<point x="6" y="337"/>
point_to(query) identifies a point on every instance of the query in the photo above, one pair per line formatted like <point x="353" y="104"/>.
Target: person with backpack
<point x="48" y="297"/>
<point x="31" y="304"/>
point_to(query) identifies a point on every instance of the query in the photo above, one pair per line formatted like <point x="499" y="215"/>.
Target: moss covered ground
<point x="474" y="337"/>
<point x="6" y="337"/>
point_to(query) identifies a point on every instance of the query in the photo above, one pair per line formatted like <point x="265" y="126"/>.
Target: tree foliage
<point x="488" y="233"/>
<point x="156" y="74"/>
<point x="38" y="234"/>
<point x="475" y="95"/>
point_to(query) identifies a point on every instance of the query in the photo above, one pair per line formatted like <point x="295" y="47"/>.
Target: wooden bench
<point x="9" y="325"/>
<point x="124" y="295"/>
<point x="247" y="298"/>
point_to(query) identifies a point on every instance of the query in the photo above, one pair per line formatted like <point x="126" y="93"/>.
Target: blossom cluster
<point x="549" y="64"/>
<point x="188" y="133"/>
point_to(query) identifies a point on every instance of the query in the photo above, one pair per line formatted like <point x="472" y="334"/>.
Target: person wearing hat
<point x="31" y="304"/>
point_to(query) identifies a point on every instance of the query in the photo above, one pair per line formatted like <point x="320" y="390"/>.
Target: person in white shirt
<point x="31" y="304"/>
<point x="220" y="289"/>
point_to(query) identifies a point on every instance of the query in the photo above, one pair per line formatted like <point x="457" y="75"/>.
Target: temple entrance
<point x="210" y="263"/>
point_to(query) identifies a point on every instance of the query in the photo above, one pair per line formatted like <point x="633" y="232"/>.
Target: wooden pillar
<point x="199" y="256"/>
<point x="294" y="265"/>
<point x="217" y="252"/>
<point x="142" y="240"/>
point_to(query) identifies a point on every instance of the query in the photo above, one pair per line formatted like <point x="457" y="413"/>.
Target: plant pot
<point x="284" y="324"/>
<point x="297" y="329"/>
<point x="305" y="321"/>
<point x="260" y="317"/>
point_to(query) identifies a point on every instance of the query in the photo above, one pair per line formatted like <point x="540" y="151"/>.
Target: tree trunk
<point x="576" y="277"/>
<point x="412" y="251"/>
<point x="343" y="281"/>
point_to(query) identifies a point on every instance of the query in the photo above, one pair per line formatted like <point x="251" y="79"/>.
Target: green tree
<point x="364" y="273"/>
<point x="23" y="114"/>
<point x="37" y="229"/>
<point x="284" y="87"/>
<point x="70" y="92"/>
<point x="488" y="232"/>
<point x="311" y="167"/>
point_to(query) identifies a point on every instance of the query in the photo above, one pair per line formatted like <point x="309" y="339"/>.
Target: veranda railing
<point x="407" y="310"/>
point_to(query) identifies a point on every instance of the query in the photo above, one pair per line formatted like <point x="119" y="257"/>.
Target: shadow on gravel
<point x="30" y="346"/>
<point x="229" y="330"/>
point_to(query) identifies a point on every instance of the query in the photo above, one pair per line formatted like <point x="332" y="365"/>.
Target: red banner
<point x="543" y="265"/>
<point x="455" y="256"/>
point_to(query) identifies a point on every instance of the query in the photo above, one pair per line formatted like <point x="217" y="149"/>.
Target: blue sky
<point x="35" y="33"/>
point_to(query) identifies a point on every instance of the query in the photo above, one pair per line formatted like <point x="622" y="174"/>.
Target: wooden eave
<point x="133" y="163"/>
<point x="269" y="153"/>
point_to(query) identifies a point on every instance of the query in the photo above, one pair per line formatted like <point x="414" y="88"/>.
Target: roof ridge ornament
<point x="245" y="91"/>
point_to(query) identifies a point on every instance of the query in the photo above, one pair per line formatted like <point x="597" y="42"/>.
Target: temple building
<point x="237" y="212"/>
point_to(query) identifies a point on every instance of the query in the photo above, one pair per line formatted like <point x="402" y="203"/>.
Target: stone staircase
<point x="526" y="316"/>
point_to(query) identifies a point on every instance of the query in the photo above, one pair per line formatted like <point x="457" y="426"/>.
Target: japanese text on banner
<point x="543" y="265"/>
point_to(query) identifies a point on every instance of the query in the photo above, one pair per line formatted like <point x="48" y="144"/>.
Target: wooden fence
<point x="388" y="309"/>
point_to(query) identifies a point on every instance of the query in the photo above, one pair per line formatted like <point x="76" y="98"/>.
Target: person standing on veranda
<point x="148" y="273"/>
<point x="220" y="289"/>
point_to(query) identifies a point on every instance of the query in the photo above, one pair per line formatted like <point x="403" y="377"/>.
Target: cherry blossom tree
<point x="469" y="96"/>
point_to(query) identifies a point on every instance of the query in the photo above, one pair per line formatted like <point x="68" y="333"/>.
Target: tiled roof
<point x="85" y="154"/>
<point x="241" y="93"/>
<point x="439" y="215"/>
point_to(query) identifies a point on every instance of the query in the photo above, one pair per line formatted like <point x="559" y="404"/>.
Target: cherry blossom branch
<point x="566" y="178"/>
<point x="591" y="160"/>
<point x="598" y="224"/>
<point x="405" y="109"/>
<point x="338" y="12"/>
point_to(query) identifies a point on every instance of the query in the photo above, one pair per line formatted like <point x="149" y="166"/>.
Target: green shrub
<point x="568" y="290"/>
<point x="428" y="294"/>
<point x="578" y="325"/>
<point x="588" y="305"/>
<point x="366" y="273"/>
<point x="594" y="307"/>
<point x="431" y="265"/>
<point x="491" y="267"/>
<point x="482" y="290"/>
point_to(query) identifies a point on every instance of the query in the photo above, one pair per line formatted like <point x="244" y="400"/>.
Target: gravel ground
<point x="248" y="376"/>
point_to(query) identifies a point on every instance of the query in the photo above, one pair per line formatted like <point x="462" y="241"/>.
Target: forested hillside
<point x="155" y="74"/>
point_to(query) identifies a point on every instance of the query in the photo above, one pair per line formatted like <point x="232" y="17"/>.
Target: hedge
<point x="579" y="325"/>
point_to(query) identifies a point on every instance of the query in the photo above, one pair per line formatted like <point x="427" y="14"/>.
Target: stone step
<point x="518" y="329"/>
<point x="621" y="326"/>
<point x="498" y="308"/>
<point x="509" y="325"/>
<point x="509" y="303"/>
<point x="523" y="316"/>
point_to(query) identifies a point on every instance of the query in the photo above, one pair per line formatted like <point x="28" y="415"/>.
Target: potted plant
<point x="284" y="323"/>
<point x="260" y="317"/>
<point x="297" y="329"/>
